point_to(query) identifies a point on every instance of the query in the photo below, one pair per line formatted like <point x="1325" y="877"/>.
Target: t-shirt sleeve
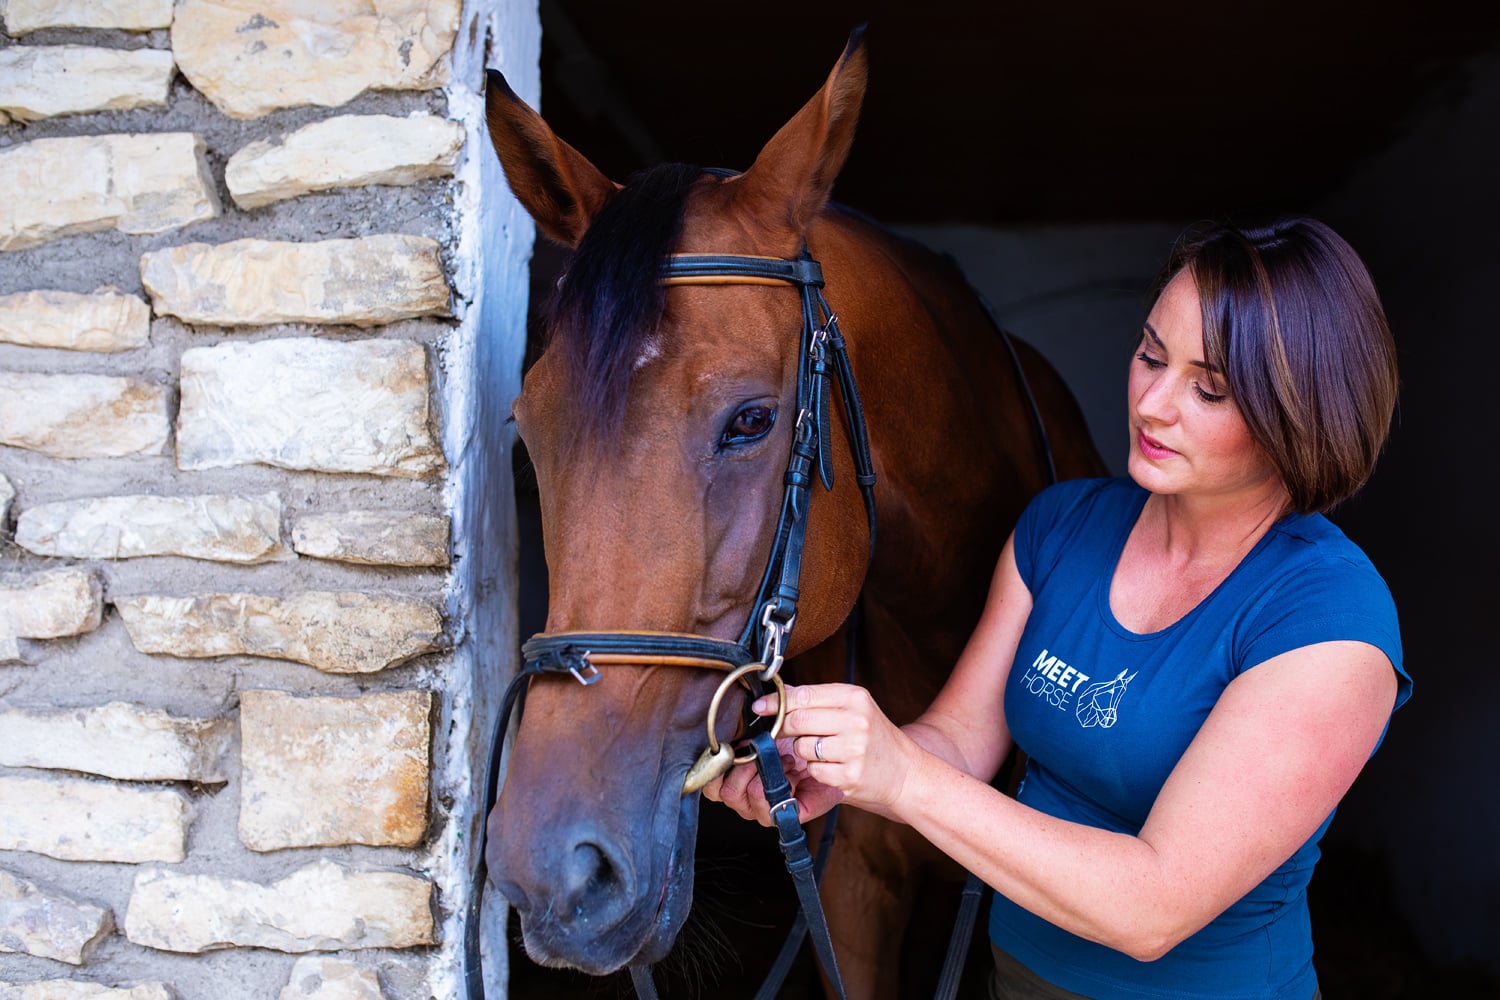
<point x="1043" y="527"/>
<point x="1335" y="599"/>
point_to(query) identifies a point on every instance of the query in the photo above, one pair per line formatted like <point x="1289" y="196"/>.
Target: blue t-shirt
<point x="1104" y="714"/>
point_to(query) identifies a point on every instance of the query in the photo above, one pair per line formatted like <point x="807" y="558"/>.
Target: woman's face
<point x="1186" y="432"/>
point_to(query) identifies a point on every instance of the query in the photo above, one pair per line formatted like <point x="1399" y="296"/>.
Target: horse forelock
<point x="610" y="300"/>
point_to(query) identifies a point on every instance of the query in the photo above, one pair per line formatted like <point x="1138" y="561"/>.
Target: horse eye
<point x="750" y="424"/>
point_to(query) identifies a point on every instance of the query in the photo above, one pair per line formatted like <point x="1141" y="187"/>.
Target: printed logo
<point x="1052" y="680"/>
<point x="1099" y="705"/>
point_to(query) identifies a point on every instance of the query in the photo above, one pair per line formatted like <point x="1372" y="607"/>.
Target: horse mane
<point x="610" y="298"/>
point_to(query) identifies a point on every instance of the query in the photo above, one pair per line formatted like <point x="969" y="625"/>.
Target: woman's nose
<point x="1157" y="400"/>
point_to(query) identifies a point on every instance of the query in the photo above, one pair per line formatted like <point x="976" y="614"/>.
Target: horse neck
<point x="952" y="441"/>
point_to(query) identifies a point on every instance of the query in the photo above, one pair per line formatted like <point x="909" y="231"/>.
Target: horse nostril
<point x="593" y="884"/>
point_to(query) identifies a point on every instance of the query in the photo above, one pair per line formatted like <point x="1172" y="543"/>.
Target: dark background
<point x="1010" y="113"/>
<point x="1080" y="125"/>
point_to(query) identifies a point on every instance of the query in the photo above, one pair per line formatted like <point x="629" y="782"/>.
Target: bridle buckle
<point x="772" y="650"/>
<point x="583" y="670"/>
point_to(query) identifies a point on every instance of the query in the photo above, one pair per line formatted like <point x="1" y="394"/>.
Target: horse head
<point x="659" y="418"/>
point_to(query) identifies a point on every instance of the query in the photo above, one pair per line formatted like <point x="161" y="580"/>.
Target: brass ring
<point x="713" y="706"/>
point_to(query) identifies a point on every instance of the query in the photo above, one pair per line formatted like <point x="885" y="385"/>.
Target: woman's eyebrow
<point x="1151" y="332"/>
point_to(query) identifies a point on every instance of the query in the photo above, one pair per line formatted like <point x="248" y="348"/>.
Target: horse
<point x="658" y="419"/>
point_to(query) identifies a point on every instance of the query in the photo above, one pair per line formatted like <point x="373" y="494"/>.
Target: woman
<point x="1196" y="662"/>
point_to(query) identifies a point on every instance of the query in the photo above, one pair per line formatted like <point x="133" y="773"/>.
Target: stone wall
<point x="243" y="403"/>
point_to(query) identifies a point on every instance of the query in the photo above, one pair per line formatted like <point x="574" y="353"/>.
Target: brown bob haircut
<point x="1292" y="319"/>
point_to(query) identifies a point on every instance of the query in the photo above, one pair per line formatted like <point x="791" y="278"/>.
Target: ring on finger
<point x="818" y="748"/>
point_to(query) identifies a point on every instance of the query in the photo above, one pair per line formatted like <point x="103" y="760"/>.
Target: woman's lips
<point x="1152" y="448"/>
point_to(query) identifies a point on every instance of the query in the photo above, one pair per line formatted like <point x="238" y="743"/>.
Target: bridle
<point x="757" y="656"/>
<point x="764" y="639"/>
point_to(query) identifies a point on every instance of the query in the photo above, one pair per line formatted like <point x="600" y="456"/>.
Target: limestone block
<point x="341" y="633"/>
<point x="47" y="605"/>
<point x="36" y="922"/>
<point x="79" y="819"/>
<point x="117" y="740"/>
<point x="321" y="907"/>
<point x="307" y="403"/>
<point x="138" y="184"/>
<point x="317" y="977"/>
<point x="237" y="529"/>
<point x="348" y="151"/>
<point x="83" y="416"/>
<point x="67" y="989"/>
<point x="107" y="320"/>
<point x="362" y="282"/>
<point x="374" y="538"/>
<point x="23" y="16"/>
<point x="7" y="494"/>
<point x="250" y="57"/>
<point x="319" y="772"/>
<point x="43" y="81"/>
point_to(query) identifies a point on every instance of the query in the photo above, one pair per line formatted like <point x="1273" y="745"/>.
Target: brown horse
<point x="659" y="418"/>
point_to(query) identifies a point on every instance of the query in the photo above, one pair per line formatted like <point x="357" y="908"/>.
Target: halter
<point x="766" y="636"/>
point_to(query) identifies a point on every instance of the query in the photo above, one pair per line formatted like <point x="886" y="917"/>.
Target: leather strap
<point x="699" y="268"/>
<point x="799" y="862"/>
<point x="581" y="652"/>
<point x="958" y="942"/>
<point x="645" y="985"/>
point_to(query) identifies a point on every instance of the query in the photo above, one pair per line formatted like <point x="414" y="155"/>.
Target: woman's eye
<point x="750" y="424"/>
<point x="1148" y="361"/>
<point x="1208" y="397"/>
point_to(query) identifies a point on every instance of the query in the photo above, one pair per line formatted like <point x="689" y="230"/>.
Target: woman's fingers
<point x="810" y="696"/>
<point x="740" y="789"/>
<point x="816" y="749"/>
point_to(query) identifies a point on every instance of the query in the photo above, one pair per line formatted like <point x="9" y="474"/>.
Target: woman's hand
<point x="836" y="744"/>
<point x="741" y="790"/>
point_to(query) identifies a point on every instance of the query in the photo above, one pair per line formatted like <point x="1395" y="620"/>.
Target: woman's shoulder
<point x="1316" y="543"/>
<point x="1087" y="496"/>
<point x="1319" y="585"/>
<point x="1076" y="518"/>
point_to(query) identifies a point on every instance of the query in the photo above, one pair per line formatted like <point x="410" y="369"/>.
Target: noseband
<point x="766" y="636"/>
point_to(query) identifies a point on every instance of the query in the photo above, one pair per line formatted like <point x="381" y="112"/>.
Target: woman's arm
<point x="964" y="726"/>
<point x="1281" y="747"/>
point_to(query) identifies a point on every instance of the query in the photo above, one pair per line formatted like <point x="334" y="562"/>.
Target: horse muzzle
<point x="598" y="899"/>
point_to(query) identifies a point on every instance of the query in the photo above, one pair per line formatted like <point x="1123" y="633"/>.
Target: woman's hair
<point x="1292" y="319"/>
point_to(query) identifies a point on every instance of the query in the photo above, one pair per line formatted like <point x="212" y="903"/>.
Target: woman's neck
<point x="1213" y="528"/>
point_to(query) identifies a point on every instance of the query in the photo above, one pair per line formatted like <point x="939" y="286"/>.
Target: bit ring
<point x="713" y="707"/>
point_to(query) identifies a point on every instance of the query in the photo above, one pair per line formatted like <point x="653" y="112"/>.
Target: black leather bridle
<point x="774" y="610"/>
<point x="764" y="641"/>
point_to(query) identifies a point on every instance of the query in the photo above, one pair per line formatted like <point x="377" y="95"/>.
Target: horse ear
<point x="555" y="183"/>
<point x="795" y="171"/>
